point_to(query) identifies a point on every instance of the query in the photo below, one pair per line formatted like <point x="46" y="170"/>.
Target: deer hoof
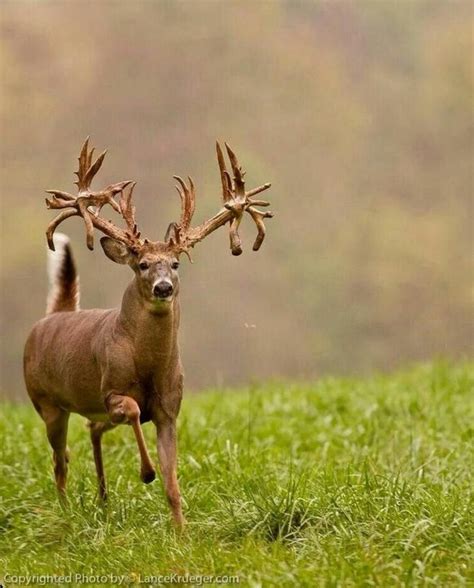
<point x="147" y="476"/>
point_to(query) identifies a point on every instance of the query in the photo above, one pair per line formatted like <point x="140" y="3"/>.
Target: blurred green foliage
<point x="360" y="115"/>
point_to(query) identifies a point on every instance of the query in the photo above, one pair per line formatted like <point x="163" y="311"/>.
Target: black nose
<point x="163" y="289"/>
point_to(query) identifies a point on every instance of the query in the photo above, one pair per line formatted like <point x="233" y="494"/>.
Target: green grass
<point x="343" y="482"/>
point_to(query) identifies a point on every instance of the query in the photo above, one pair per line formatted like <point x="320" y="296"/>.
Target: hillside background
<point x="358" y="113"/>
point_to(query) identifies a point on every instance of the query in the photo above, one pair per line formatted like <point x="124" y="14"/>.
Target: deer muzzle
<point x="163" y="289"/>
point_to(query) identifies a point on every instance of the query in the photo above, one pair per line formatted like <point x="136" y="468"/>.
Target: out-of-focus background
<point x="358" y="113"/>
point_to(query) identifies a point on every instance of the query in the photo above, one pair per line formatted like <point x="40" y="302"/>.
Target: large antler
<point x="81" y="204"/>
<point x="181" y="236"/>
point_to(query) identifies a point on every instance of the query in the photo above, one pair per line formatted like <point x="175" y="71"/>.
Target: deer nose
<point x="163" y="289"/>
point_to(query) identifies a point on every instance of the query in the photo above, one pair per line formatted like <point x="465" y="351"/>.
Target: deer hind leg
<point x="124" y="409"/>
<point x="167" y="452"/>
<point x="56" y="421"/>
<point x="96" y="432"/>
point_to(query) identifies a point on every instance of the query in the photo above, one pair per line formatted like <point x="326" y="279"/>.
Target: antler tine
<point x="84" y="164"/>
<point x="94" y="168"/>
<point x="188" y="202"/>
<point x="126" y="207"/>
<point x="235" y="240"/>
<point x="82" y="207"/>
<point x="181" y="189"/>
<point x="225" y="177"/>
<point x="81" y="204"/>
<point x="258" y="217"/>
<point x="88" y="163"/>
<point x="256" y="191"/>
<point x="238" y="172"/>
<point x="54" y="224"/>
<point x="192" y="199"/>
<point x="59" y="199"/>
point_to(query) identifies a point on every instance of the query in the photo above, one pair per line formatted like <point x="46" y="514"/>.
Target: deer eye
<point x="143" y="265"/>
<point x="175" y="265"/>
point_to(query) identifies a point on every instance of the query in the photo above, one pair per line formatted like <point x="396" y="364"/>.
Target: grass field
<point x="343" y="482"/>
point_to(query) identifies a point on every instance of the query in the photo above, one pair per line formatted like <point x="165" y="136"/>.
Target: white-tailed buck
<point x="123" y="365"/>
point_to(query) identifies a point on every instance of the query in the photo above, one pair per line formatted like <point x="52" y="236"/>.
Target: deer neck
<point x="154" y="334"/>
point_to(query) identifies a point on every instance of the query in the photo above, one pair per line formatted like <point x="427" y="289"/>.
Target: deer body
<point x="74" y="355"/>
<point x="122" y="366"/>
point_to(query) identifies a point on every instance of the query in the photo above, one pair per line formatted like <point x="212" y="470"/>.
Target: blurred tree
<point x="359" y="115"/>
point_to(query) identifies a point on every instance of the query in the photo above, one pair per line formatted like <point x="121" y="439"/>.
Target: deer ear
<point x="115" y="250"/>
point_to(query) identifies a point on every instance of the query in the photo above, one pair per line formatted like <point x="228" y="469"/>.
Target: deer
<point x="123" y="365"/>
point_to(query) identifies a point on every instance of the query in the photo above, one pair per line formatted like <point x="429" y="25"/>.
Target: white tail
<point x="63" y="279"/>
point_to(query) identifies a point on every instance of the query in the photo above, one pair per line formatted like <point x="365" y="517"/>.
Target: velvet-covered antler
<point x="182" y="237"/>
<point x="88" y="204"/>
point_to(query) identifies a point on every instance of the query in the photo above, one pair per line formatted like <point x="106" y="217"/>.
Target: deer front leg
<point x="167" y="453"/>
<point x="123" y="409"/>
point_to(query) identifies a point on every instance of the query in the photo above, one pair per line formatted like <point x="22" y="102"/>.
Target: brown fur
<point x="113" y="366"/>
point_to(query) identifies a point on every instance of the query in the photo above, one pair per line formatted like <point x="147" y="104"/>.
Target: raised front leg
<point x="123" y="409"/>
<point x="167" y="453"/>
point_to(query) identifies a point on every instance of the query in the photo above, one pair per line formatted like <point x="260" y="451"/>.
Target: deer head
<point x="155" y="263"/>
